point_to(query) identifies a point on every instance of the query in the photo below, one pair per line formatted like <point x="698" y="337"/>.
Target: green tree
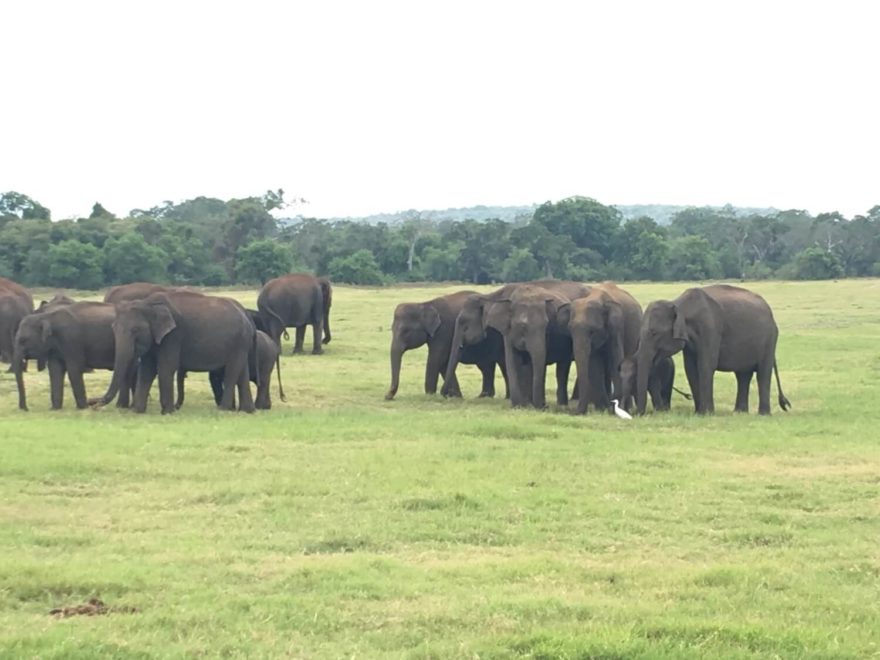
<point x="15" y="205"/>
<point x="99" y="211"/>
<point x="130" y="259"/>
<point x="692" y="258"/>
<point x="441" y="263"/>
<point x="262" y="260"/>
<point x="358" y="268"/>
<point x="817" y="264"/>
<point x="520" y="266"/>
<point x="584" y="221"/>
<point x="74" y="265"/>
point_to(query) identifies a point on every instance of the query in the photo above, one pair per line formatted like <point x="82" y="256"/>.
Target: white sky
<point x="370" y="106"/>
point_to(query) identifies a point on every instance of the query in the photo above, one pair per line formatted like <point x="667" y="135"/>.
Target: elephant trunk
<point x="397" y="350"/>
<point x="454" y="357"/>
<point x="644" y="361"/>
<point x="122" y="364"/>
<point x="327" y="335"/>
<point x="582" y="350"/>
<point x="538" y="356"/>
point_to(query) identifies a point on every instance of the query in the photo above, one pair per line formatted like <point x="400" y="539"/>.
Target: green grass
<point x="340" y="524"/>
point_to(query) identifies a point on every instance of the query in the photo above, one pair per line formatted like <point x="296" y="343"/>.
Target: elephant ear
<point x="161" y="320"/>
<point x="430" y="319"/>
<point x="615" y="318"/>
<point x="679" y="327"/>
<point x="559" y="311"/>
<point x="45" y="330"/>
<point x="497" y="315"/>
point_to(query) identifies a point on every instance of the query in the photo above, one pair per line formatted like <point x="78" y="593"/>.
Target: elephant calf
<point x="660" y="383"/>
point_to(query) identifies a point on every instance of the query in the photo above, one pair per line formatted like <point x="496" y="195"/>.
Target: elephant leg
<point x="598" y="382"/>
<point x="534" y="392"/>
<point x="503" y="368"/>
<point x="488" y="371"/>
<point x="318" y="337"/>
<point x="300" y="339"/>
<point x="126" y="392"/>
<point x="166" y="386"/>
<point x="231" y="375"/>
<point x="743" y="383"/>
<point x="216" y="378"/>
<point x="245" y="397"/>
<point x="707" y="384"/>
<point x="146" y="374"/>
<point x="433" y="367"/>
<point x="765" y="373"/>
<point x="264" y="400"/>
<point x="57" y="371"/>
<point x="563" y="368"/>
<point x="75" y="376"/>
<point x="656" y="391"/>
<point x="513" y="362"/>
<point x="181" y="389"/>
<point x="693" y="378"/>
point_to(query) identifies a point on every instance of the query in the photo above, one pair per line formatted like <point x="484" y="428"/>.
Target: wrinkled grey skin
<point x="70" y="338"/>
<point x="327" y="294"/>
<point x="291" y="301"/>
<point x="260" y="368"/>
<point x="133" y="291"/>
<point x="719" y="328"/>
<point x="432" y="322"/>
<point x="182" y="330"/>
<point x="604" y="325"/>
<point x="660" y="383"/>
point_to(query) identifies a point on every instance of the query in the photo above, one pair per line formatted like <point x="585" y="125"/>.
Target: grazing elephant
<point x="260" y="370"/>
<point x="327" y="294"/>
<point x="133" y="291"/>
<point x="661" y="382"/>
<point x="604" y="323"/>
<point x="471" y="326"/>
<point x="719" y="328"/>
<point x="182" y="330"/>
<point x="291" y="301"/>
<point x="433" y="323"/>
<point x="13" y="308"/>
<point x="73" y="338"/>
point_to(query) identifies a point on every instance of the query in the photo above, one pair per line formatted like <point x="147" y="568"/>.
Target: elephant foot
<point x="486" y="395"/>
<point x="326" y="340"/>
<point x="169" y="411"/>
<point x="297" y="350"/>
<point x="318" y="351"/>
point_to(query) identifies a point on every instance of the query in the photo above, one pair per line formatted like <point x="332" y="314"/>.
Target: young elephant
<point x="719" y="328"/>
<point x="182" y="330"/>
<point x="660" y="383"/>
<point x="259" y="368"/>
<point x="72" y="338"/>
<point x="433" y="323"/>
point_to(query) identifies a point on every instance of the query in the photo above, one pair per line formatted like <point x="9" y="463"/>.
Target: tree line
<point x="207" y="241"/>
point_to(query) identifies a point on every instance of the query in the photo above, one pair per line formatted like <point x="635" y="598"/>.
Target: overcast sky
<point x="362" y="107"/>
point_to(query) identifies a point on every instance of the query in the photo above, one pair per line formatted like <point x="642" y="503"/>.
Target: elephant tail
<point x="784" y="403"/>
<point x="684" y="394"/>
<point x="268" y="311"/>
<point x="278" y="368"/>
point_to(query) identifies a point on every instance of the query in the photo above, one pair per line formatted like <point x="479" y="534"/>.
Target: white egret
<point x="620" y="412"/>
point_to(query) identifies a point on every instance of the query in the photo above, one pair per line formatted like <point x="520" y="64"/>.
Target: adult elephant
<point x="291" y="301"/>
<point x="10" y="286"/>
<point x="661" y="383"/>
<point x="605" y="323"/>
<point x="472" y="323"/>
<point x="433" y="323"/>
<point x="260" y="365"/>
<point x="13" y="308"/>
<point x="182" y="330"/>
<point x="69" y="338"/>
<point x="718" y="328"/>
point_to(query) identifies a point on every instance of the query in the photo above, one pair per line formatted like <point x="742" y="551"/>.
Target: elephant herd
<point x="621" y="353"/>
<point x="144" y="332"/>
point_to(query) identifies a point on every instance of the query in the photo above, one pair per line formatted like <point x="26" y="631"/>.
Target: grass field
<point x="342" y="525"/>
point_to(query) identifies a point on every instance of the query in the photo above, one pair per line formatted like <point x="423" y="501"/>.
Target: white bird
<point x="620" y="412"/>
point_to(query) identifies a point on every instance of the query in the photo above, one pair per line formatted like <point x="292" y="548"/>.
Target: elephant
<point x="172" y="331"/>
<point x="433" y="323"/>
<point x="133" y="291"/>
<point x="267" y="352"/>
<point x="291" y="301"/>
<point x="57" y="300"/>
<point x="719" y="328"/>
<point x="73" y="338"/>
<point x="472" y="324"/>
<point x="13" y="308"/>
<point x="604" y="323"/>
<point x="327" y="294"/>
<point x="661" y="383"/>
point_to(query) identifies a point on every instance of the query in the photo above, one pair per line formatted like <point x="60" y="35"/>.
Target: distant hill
<point x="662" y="213"/>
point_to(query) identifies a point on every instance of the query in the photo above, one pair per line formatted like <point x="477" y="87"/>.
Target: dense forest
<point x="206" y="241"/>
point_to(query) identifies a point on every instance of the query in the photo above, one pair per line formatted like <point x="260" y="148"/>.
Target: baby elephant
<point x="660" y="383"/>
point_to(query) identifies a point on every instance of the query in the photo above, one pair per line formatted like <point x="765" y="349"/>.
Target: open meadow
<point x="339" y="524"/>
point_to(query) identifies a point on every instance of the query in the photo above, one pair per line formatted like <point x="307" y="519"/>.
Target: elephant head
<point x="139" y="326"/>
<point x="414" y="324"/>
<point x="470" y="329"/>
<point x="32" y="341"/>
<point x="663" y="333"/>
<point x="596" y="323"/>
<point x="628" y="372"/>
